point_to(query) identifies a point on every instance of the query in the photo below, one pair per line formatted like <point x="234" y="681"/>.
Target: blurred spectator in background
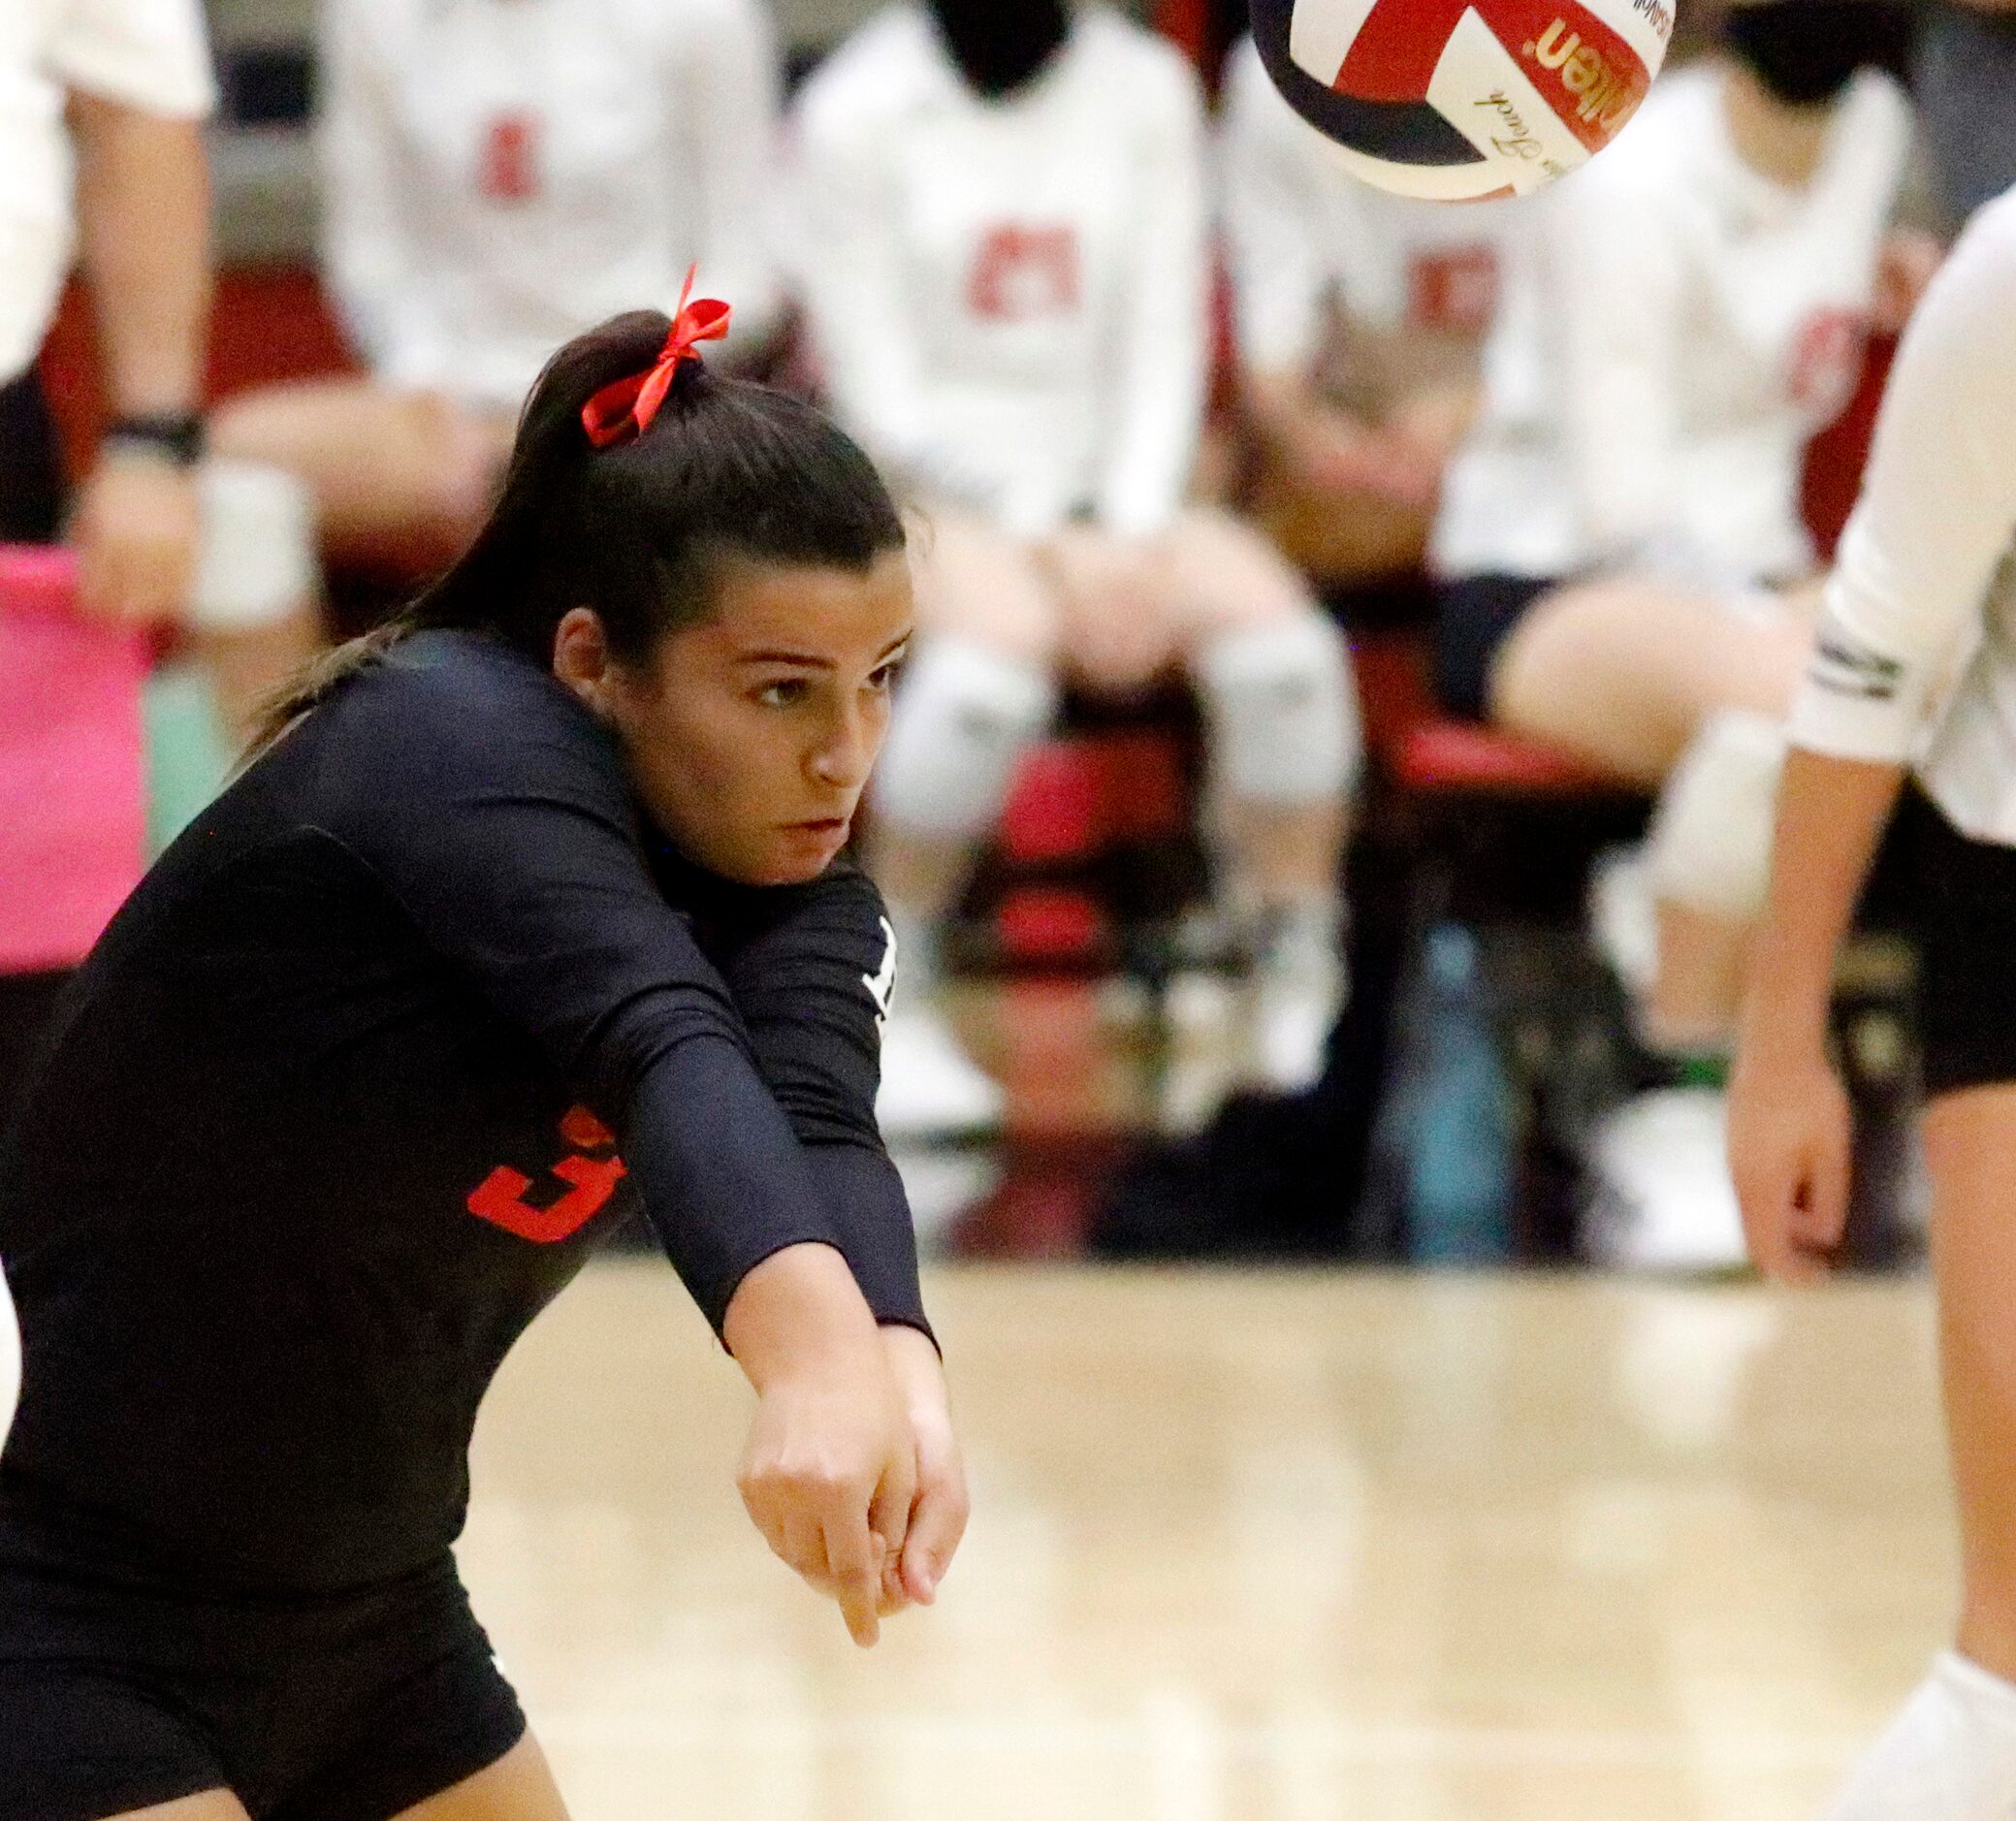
<point x="1627" y="573"/>
<point x="1359" y="320"/>
<point x="101" y="155"/>
<point x="1966" y="81"/>
<point x="1000" y="237"/>
<point x="497" y="178"/>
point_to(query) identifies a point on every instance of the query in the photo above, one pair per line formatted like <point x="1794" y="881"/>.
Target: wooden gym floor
<point x="1253" y="1548"/>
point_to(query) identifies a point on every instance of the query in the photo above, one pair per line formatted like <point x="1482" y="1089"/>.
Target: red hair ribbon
<point x="625" y="409"/>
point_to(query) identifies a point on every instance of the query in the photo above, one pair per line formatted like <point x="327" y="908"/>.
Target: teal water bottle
<point x="1460" y="1178"/>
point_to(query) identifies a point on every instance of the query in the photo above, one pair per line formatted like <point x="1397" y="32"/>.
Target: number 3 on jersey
<point x="500" y="1199"/>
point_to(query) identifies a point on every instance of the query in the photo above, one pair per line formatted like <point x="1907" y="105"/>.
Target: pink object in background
<point x="73" y="772"/>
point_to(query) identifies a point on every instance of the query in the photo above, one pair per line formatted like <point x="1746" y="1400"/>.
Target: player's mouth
<point x="827" y="830"/>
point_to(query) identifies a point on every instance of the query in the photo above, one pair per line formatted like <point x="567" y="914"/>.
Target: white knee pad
<point x="1282" y="709"/>
<point x="1709" y="848"/>
<point x="255" y="562"/>
<point x="964" y="717"/>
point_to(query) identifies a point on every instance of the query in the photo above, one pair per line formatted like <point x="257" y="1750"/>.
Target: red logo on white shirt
<point x="508" y="169"/>
<point x="1827" y="357"/>
<point x="1022" y="272"/>
<point x="1455" y="290"/>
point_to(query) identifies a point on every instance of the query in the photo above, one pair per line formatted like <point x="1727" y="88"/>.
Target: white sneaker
<point x="1664" y="1200"/>
<point x="931" y="1087"/>
<point x="1298" y="994"/>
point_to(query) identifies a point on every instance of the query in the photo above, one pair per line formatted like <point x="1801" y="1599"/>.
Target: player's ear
<point x="582" y="659"/>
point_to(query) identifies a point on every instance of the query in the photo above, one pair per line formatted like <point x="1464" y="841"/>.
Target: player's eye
<point x="884" y="680"/>
<point x="785" y="692"/>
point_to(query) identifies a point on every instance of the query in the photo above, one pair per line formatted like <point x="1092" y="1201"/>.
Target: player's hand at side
<point x="939" y="1510"/>
<point x="829" y="1473"/>
<point x="136" y="530"/>
<point x="1789" y="1137"/>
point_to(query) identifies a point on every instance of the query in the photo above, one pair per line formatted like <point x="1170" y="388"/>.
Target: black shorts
<point x="31" y="465"/>
<point x="1474" y="616"/>
<point x="1964" y="916"/>
<point x="120" y="1693"/>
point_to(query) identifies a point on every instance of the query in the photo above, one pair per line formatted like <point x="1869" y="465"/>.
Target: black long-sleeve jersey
<point x="351" y="1088"/>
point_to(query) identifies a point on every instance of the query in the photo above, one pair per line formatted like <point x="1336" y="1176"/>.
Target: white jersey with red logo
<point x="499" y="177"/>
<point x="1673" y="333"/>
<point x="148" y="54"/>
<point x="1008" y="298"/>
<point x="1304" y="237"/>
<point x="1924" y="587"/>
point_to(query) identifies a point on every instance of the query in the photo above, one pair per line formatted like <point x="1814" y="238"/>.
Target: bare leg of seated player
<point x="1623" y="672"/>
<point x="1211" y="597"/>
<point x="1627" y="675"/>
<point x="406" y="476"/>
<point x="979" y="689"/>
<point x="1001" y="616"/>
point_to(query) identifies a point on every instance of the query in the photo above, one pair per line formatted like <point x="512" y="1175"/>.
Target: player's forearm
<point x="143" y="204"/>
<point x="1832" y="814"/>
<point x="795" y="1311"/>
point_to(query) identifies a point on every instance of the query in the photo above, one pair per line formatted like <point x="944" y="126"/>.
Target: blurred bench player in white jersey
<point x="1359" y="321"/>
<point x="1625" y="571"/>
<point x="999" y="233"/>
<point x="1924" y="591"/>
<point x="101" y="157"/>
<point x="496" y="180"/>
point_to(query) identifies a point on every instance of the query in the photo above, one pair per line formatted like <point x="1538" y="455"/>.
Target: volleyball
<point x="1454" y="101"/>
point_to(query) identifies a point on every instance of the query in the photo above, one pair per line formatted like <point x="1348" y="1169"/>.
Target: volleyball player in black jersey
<point x="531" y="910"/>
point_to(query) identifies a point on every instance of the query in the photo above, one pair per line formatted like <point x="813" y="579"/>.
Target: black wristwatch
<point x="175" y="435"/>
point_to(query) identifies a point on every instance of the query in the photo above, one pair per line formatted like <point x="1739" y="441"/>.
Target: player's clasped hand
<point x="829" y="1474"/>
<point x="136" y="532"/>
<point x="941" y="1505"/>
<point x="852" y="1472"/>
<point x="1789" y="1138"/>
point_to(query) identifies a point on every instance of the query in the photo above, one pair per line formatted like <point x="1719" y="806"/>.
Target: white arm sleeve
<point x="1613" y="282"/>
<point x="1271" y="206"/>
<point x="1158" y="398"/>
<point x="729" y="102"/>
<point x="846" y="256"/>
<point x="366" y="251"/>
<point x="148" y="54"/>
<point x="1936" y="515"/>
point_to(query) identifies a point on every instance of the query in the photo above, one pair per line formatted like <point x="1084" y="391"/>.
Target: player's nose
<point x="844" y="758"/>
